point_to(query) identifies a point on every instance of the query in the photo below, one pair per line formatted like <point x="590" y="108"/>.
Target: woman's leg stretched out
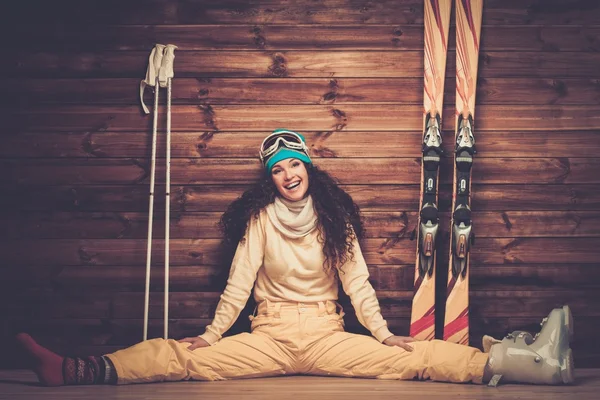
<point x="545" y="359"/>
<point x="241" y="356"/>
<point x="246" y="355"/>
<point x="352" y="355"/>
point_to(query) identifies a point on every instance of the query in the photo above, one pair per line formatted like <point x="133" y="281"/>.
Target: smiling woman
<point x="282" y="153"/>
<point x="291" y="179"/>
<point x="296" y="234"/>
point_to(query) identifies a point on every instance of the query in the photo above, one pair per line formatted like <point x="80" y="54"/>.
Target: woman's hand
<point x="196" y="342"/>
<point x="400" y="341"/>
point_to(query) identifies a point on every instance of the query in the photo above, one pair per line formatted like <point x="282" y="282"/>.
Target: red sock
<point x="46" y="364"/>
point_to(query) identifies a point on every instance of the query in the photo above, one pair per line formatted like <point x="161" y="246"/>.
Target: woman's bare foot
<point x="46" y="364"/>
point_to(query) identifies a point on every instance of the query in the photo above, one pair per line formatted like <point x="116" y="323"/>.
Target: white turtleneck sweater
<point x="281" y="257"/>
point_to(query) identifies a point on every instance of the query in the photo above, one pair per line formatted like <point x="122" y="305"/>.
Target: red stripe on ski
<point x="469" y="14"/>
<point x="427" y="321"/>
<point x="430" y="65"/>
<point x="461" y="322"/>
<point x="435" y="6"/>
<point x="437" y="76"/>
<point x="450" y="286"/>
<point x="418" y="283"/>
<point x="464" y="339"/>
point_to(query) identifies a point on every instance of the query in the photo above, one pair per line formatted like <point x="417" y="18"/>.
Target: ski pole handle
<point x="154" y="63"/>
<point x="166" y="67"/>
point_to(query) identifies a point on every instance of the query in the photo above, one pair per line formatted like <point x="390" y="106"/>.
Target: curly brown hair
<point x="338" y="216"/>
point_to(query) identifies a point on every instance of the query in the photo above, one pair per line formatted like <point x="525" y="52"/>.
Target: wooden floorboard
<point x="22" y="384"/>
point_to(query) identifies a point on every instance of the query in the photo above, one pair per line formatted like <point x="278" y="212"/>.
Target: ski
<point x="468" y="29"/>
<point x="437" y="22"/>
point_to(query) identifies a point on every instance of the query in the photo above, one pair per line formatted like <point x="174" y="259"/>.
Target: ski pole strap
<point x="154" y="62"/>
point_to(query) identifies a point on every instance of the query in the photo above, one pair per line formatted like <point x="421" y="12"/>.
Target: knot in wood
<point x="560" y="87"/>
<point x="206" y="109"/>
<point x="330" y="96"/>
<point x="260" y="41"/>
<point x="486" y="59"/>
<point x="339" y="114"/>
<point x="278" y="58"/>
<point x="278" y="70"/>
<point x="206" y="136"/>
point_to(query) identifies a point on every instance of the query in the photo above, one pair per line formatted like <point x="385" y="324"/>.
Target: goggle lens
<point x="274" y="142"/>
<point x="286" y="136"/>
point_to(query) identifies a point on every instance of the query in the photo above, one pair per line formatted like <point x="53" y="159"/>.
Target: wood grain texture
<point x="398" y="171"/>
<point x="297" y="37"/>
<point x="93" y="252"/>
<point x="293" y="63"/>
<point x="22" y="384"/>
<point x="351" y="117"/>
<point x="203" y="225"/>
<point x="216" y="91"/>
<point x="282" y="12"/>
<point x="322" y="144"/>
<point x="209" y="198"/>
<point x="394" y="304"/>
<point x="523" y="277"/>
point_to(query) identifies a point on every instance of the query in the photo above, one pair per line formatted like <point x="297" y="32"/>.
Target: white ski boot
<point x="543" y="359"/>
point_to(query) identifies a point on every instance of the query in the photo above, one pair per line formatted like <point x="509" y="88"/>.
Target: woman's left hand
<point x="400" y="341"/>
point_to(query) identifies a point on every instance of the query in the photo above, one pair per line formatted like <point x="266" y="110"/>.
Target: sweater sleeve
<point x="355" y="282"/>
<point x="247" y="260"/>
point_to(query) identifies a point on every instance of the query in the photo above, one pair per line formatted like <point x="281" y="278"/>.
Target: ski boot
<point x="488" y="341"/>
<point x="543" y="359"/>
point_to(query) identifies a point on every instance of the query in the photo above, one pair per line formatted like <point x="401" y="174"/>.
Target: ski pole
<point x="152" y="80"/>
<point x="166" y="72"/>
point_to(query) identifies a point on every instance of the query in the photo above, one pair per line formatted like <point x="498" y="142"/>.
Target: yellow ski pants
<point x="297" y="338"/>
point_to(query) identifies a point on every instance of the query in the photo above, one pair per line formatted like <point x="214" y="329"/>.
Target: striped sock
<point x="83" y="371"/>
<point x="55" y="370"/>
<point x="90" y="370"/>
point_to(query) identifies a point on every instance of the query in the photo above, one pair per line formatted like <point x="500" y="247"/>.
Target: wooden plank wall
<point x="348" y="73"/>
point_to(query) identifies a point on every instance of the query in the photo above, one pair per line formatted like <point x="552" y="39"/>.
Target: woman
<point x="297" y="235"/>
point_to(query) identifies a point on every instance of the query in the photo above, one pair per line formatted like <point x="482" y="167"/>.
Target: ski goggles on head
<point x="282" y="139"/>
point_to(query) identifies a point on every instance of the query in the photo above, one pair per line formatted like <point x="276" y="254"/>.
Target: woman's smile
<point x="290" y="178"/>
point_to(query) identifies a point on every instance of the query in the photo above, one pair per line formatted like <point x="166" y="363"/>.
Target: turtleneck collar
<point x="294" y="219"/>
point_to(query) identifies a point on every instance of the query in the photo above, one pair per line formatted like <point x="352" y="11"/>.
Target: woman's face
<point x="290" y="178"/>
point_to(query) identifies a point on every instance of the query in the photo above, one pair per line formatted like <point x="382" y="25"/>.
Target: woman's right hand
<point x="196" y="342"/>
